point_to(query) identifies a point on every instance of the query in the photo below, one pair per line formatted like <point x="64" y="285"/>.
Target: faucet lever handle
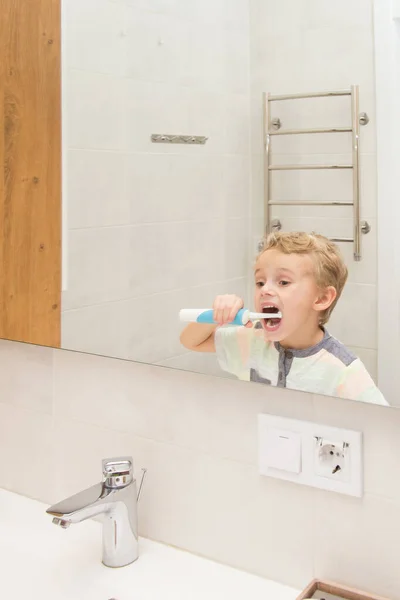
<point x="117" y="472"/>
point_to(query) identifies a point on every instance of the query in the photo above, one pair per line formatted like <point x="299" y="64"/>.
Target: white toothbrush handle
<point x="206" y="315"/>
<point x="190" y="315"/>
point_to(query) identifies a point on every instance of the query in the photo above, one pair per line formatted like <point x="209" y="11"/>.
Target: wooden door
<point x="30" y="182"/>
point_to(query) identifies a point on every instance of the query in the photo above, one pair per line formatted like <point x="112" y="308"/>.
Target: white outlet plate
<point x="309" y="432"/>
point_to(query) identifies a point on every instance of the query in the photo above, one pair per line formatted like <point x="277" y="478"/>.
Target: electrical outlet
<point x="330" y="458"/>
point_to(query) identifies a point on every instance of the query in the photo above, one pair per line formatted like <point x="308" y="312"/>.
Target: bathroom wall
<point x="62" y="412"/>
<point x="150" y="227"/>
<point x="155" y="225"/>
<point x="317" y="46"/>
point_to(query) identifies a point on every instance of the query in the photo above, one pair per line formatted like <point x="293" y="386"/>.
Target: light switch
<point x="283" y="450"/>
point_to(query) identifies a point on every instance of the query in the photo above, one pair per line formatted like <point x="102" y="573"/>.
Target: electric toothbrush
<point x="205" y="315"/>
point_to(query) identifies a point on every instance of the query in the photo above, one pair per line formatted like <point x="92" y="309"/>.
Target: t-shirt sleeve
<point x="355" y="383"/>
<point x="232" y="346"/>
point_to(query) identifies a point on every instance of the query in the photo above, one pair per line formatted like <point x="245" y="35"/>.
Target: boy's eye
<point x="259" y="284"/>
<point x="283" y="282"/>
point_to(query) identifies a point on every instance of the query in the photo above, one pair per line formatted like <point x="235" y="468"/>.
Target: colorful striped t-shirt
<point x="327" y="368"/>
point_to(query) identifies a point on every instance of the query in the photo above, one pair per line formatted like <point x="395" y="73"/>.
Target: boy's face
<point x="287" y="282"/>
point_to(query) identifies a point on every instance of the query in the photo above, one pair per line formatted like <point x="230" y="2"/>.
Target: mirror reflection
<point x="217" y="154"/>
<point x="299" y="278"/>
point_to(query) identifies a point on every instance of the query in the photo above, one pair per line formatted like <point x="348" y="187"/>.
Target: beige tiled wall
<point x="153" y="228"/>
<point x="62" y="412"/>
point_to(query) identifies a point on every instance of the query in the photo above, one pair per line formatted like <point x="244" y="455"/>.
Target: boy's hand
<point x="201" y="336"/>
<point x="226" y="308"/>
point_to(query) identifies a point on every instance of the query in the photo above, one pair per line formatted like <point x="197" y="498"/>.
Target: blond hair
<point x="329" y="266"/>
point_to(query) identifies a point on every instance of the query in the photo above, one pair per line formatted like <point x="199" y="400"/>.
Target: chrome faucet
<point x="115" y="499"/>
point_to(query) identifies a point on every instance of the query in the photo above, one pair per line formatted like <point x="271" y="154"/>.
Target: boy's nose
<point x="266" y="290"/>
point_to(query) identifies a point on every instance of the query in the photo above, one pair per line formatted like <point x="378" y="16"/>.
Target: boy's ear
<point x="325" y="298"/>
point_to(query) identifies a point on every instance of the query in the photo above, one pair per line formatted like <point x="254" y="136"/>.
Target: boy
<point x="302" y="276"/>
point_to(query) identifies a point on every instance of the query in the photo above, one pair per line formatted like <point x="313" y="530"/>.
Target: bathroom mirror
<point x="166" y="183"/>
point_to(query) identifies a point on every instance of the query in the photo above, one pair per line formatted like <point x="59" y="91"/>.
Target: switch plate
<point x="283" y="450"/>
<point x="309" y="474"/>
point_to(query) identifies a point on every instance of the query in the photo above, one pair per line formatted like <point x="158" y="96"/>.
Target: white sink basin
<point x="42" y="562"/>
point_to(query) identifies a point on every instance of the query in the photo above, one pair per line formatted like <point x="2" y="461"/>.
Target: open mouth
<point x="271" y="324"/>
